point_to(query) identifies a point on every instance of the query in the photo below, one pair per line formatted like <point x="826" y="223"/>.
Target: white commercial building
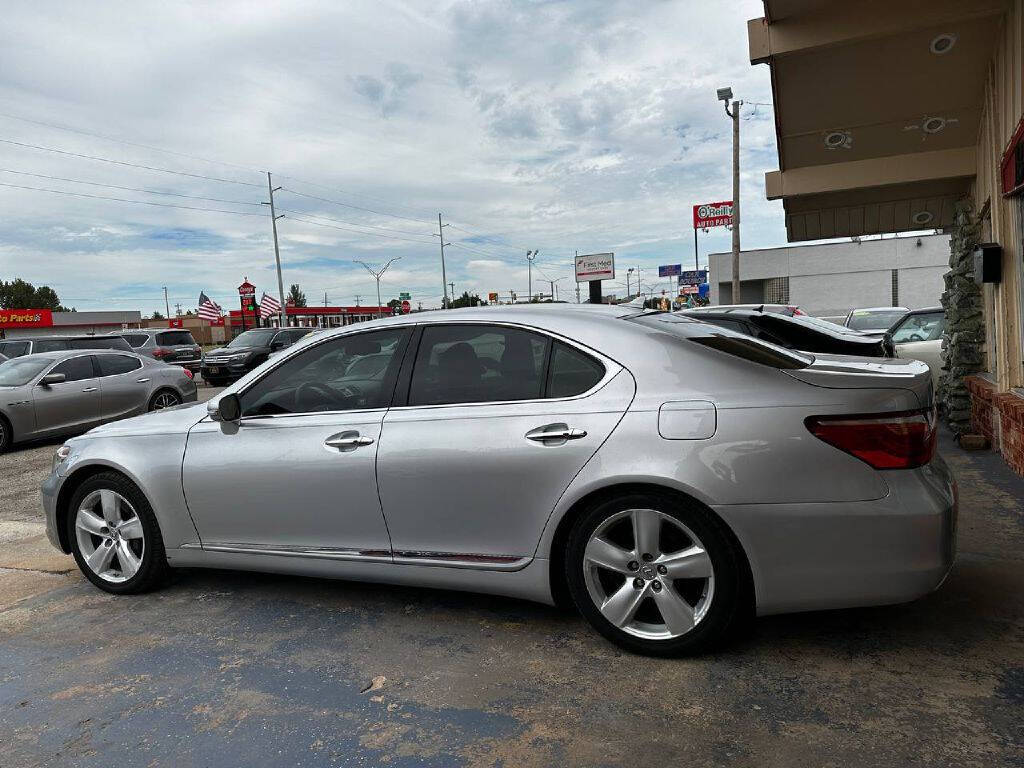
<point x="830" y="279"/>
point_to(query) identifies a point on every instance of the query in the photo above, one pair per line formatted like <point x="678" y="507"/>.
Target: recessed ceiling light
<point x="943" y="43"/>
<point x="838" y="140"/>
<point x="933" y="124"/>
<point x="922" y="218"/>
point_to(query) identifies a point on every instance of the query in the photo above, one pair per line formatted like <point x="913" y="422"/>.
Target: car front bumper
<point x="224" y="370"/>
<point x="815" y="556"/>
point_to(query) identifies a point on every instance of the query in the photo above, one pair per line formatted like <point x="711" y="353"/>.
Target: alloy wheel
<point x="648" y="574"/>
<point x="110" y="536"/>
<point x="165" y="400"/>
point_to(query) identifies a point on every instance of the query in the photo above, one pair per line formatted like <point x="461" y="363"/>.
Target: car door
<point x="298" y="473"/>
<point x="73" y="404"/>
<point x="496" y="422"/>
<point x="919" y="337"/>
<point x="124" y="386"/>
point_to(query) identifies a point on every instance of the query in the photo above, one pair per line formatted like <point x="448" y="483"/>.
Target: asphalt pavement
<point x="226" y="669"/>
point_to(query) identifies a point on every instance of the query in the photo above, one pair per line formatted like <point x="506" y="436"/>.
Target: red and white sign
<point x="595" y="266"/>
<point x="175" y="322"/>
<point x="707" y="215"/>
<point x="406" y="307"/>
<point x="246" y="290"/>
<point x="26" y="318"/>
<point x="685" y="289"/>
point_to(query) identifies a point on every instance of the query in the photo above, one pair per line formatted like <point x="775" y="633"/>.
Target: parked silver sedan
<point x="666" y="476"/>
<point x="58" y="393"/>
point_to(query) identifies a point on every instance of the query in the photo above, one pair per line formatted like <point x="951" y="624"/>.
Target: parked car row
<point x="621" y="460"/>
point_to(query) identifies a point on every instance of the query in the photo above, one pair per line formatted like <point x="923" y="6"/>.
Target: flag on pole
<point x="208" y="308"/>
<point x="269" y="305"/>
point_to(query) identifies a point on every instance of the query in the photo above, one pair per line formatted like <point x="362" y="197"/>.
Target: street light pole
<point x="444" y="277"/>
<point x="377" y="275"/>
<point x="725" y="95"/>
<point x="530" y="256"/>
<point x="277" y="253"/>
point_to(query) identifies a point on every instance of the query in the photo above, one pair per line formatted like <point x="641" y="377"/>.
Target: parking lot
<point x="225" y="668"/>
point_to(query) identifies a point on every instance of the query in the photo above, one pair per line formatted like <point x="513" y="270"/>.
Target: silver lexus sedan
<point x="668" y="477"/>
<point x="53" y="394"/>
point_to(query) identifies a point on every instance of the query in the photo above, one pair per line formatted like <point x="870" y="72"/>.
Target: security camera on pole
<point x="725" y="95"/>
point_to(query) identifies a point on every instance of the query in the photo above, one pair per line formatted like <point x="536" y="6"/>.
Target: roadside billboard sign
<point x="693" y="277"/>
<point x="405" y="296"/>
<point x="687" y="289"/>
<point x="670" y="270"/>
<point x="492" y="298"/>
<point x="707" y="215"/>
<point x="246" y="289"/>
<point x="595" y="266"/>
<point x="25" y="318"/>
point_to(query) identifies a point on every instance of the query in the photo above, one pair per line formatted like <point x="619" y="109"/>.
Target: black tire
<point x="6" y="435"/>
<point x="728" y="607"/>
<point x="154" y="568"/>
<point x="216" y="382"/>
<point x="163" y="393"/>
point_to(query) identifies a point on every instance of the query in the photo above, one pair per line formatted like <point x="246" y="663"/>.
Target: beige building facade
<point x="906" y="115"/>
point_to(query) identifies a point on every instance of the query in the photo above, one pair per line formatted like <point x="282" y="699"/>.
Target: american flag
<point x="208" y="308"/>
<point x="269" y="305"/>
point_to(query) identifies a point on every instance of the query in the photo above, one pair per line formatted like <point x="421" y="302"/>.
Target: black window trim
<point x="85" y="353"/>
<point x="611" y="367"/>
<point x="302" y="350"/>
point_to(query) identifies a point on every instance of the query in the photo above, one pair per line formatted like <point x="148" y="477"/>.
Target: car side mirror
<point x="52" y="378"/>
<point x="276" y="346"/>
<point x="226" y="408"/>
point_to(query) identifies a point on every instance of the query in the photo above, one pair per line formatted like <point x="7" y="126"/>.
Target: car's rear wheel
<point x="655" y="574"/>
<point x="165" y="398"/>
<point x="114" y="535"/>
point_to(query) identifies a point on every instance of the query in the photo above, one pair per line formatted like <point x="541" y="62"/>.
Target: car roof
<point x="879" y="309"/>
<point x="61" y="354"/>
<point x="925" y="311"/>
<point x="62" y="337"/>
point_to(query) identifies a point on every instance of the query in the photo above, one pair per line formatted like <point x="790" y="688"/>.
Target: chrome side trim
<point x="437" y="559"/>
<point x="463" y="560"/>
<point x="326" y="553"/>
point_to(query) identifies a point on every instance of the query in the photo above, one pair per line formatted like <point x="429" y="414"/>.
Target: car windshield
<point x="21" y="370"/>
<point x="257" y="338"/>
<point x="870" y="319"/>
<point x="923" y="327"/>
<point x="825" y="325"/>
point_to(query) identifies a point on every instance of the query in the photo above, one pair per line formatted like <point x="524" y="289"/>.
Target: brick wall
<point x="999" y="416"/>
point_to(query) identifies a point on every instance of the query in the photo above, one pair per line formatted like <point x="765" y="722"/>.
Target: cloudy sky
<point x="557" y="126"/>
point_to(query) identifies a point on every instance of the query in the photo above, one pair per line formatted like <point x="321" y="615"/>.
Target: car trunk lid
<point x="849" y="372"/>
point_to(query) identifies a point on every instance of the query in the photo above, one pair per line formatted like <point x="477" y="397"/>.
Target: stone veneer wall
<point x="964" y="339"/>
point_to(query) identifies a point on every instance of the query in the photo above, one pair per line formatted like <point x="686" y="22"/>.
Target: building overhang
<point x="877" y="109"/>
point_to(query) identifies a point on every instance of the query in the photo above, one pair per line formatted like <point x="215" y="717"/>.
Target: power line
<point x="126" y="142"/>
<point x="347" y="192"/>
<point x="356" y="207"/>
<point x="358" y="232"/>
<point x="126" y="163"/>
<point x="127" y="189"/>
<point x="342" y="221"/>
<point x="125" y="200"/>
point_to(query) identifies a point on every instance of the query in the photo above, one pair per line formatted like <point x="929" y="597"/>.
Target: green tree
<point x="158" y="316"/>
<point x="466" y="300"/>
<point x="20" y="294"/>
<point x="295" y="296"/>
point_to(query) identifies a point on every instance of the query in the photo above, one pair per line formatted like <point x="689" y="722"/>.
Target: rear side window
<point x="477" y="364"/>
<point x="112" y="365"/>
<point x="76" y="368"/>
<point x="175" y="338"/>
<point x="100" y="342"/>
<point x="14" y="348"/>
<point x="135" y="340"/>
<point x="572" y="372"/>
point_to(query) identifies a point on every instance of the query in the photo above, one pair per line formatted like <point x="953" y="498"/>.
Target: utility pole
<point x="377" y="275"/>
<point x="277" y="252"/>
<point x="357" y="299"/>
<point x="725" y="95"/>
<point x="167" y="306"/>
<point x="177" y="309"/>
<point x="628" y="273"/>
<point x="452" y="285"/>
<point x="530" y="256"/>
<point x="444" y="277"/>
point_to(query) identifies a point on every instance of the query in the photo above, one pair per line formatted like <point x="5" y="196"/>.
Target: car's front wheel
<point x="114" y="535"/>
<point x="655" y="574"/>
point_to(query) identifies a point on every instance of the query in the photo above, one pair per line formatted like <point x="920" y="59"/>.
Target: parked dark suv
<point x="173" y="346"/>
<point x="807" y="334"/>
<point x="246" y="351"/>
<point x="35" y="344"/>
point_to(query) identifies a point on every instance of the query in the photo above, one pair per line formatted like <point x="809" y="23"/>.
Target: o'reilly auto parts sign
<point x="707" y="215"/>
<point x="595" y="266"/>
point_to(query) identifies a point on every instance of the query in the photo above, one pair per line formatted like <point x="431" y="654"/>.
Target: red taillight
<point x="188" y="373"/>
<point x="901" y="440"/>
<point x="161" y="352"/>
<point x="798" y="311"/>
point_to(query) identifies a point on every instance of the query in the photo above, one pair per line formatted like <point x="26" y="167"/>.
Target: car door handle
<point x="142" y="381"/>
<point x="90" y="389"/>
<point x="555" y="432"/>
<point x="347" y="441"/>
